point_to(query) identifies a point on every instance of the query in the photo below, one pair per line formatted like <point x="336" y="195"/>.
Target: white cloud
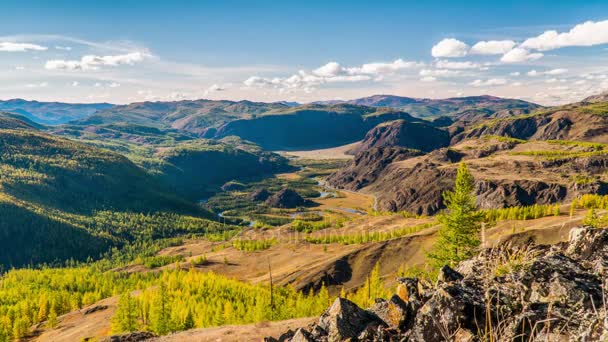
<point x="492" y="47"/>
<point x="215" y="88"/>
<point x="519" y="55"/>
<point x="92" y="62"/>
<point x="384" y="68"/>
<point x="555" y="80"/>
<point x="37" y="85"/>
<point x="450" y="47"/>
<point x="489" y="82"/>
<point x="517" y="84"/>
<point x="20" y="47"/>
<point x="63" y="48"/>
<point x="19" y="67"/>
<point x="113" y="85"/>
<point x="75" y="84"/>
<point x="552" y="72"/>
<point x="515" y="73"/>
<point x="558" y="71"/>
<point x="331" y="72"/>
<point x="438" y="72"/>
<point x="428" y="79"/>
<point x="586" y="34"/>
<point x="442" y="64"/>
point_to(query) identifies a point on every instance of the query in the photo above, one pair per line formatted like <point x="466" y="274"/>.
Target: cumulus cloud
<point x="63" y="48"/>
<point x="428" y="79"/>
<point x="92" y="62"/>
<point x="558" y="71"/>
<point x="438" y="72"/>
<point x="515" y="73"/>
<point x="489" y="82"/>
<point x="214" y="88"/>
<point x="552" y="72"/>
<point x="519" y="55"/>
<point x="586" y="34"/>
<point x="450" y="47"/>
<point x="492" y="47"/>
<point x="533" y="73"/>
<point x="20" y="47"/>
<point x="442" y="64"/>
<point x="332" y="72"/>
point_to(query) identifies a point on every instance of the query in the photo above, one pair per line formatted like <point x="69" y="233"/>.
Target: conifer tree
<point x="125" y="318"/>
<point x="460" y="226"/>
<point x="160" y="311"/>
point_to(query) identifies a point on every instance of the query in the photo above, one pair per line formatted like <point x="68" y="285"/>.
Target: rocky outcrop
<point x="365" y="168"/>
<point x="259" y="195"/>
<point x="130" y="337"/>
<point x="401" y="133"/>
<point x="286" y="198"/>
<point x="532" y="293"/>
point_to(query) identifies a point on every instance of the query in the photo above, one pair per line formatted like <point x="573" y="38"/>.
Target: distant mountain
<point x="198" y="116"/>
<point x="270" y="125"/>
<point x="51" y="113"/>
<point x="463" y="108"/>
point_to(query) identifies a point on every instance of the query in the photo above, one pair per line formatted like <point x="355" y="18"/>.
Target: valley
<point x="201" y="216"/>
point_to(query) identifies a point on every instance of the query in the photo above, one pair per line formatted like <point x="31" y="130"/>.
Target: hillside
<point x="311" y="127"/>
<point x="16" y="121"/>
<point x="51" y="113"/>
<point x="582" y="121"/>
<point x="508" y="172"/>
<point x="55" y="193"/>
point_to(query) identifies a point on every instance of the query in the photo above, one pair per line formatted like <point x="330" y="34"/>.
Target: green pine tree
<point x="460" y="226"/>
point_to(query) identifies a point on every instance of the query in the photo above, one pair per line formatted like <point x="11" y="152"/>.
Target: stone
<point x="447" y="274"/>
<point x="344" y="319"/>
<point x="393" y="312"/>
<point x="136" y="336"/>
<point x="302" y="335"/>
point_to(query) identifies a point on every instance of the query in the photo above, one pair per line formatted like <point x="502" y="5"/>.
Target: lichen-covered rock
<point x="532" y="293"/>
<point x="344" y="319"/>
<point x="393" y="312"/>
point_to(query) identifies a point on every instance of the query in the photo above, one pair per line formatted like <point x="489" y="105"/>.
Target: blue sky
<point x="126" y="51"/>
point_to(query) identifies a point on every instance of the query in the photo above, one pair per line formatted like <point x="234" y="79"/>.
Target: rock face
<point x="365" y="168"/>
<point x="401" y="133"/>
<point x="552" y="293"/>
<point x="286" y="198"/>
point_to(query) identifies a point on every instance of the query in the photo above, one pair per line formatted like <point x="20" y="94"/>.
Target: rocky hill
<point x="532" y="292"/>
<point x="581" y="121"/>
<point x="508" y="172"/>
<point x="401" y="133"/>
